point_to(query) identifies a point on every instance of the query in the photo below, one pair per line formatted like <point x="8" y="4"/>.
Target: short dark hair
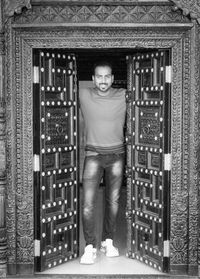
<point x="102" y="64"/>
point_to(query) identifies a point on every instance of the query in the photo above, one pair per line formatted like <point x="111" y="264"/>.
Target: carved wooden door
<point x="148" y="157"/>
<point x="55" y="157"/>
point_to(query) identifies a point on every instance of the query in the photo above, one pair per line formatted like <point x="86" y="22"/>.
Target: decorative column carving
<point x="194" y="202"/>
<point x="3" y="239"/>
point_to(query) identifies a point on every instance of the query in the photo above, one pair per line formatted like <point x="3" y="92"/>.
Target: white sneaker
<point x="89" y="255"/>
<point x="108" y="248"/>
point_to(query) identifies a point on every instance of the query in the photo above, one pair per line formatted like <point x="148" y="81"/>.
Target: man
<point x="103" y="109"/>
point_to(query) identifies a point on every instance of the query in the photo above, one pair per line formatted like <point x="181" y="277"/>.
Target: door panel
<point x="148" y="157"/>
<point x="55" y="157"/>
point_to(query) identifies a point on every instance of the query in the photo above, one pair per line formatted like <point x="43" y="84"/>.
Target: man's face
<point x="103" y="78"/>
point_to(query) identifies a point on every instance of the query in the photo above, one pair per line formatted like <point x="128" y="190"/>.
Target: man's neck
<point x="106" y="93"/>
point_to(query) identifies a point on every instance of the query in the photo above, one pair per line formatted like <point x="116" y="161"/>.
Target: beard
<point x="103" y="87"/>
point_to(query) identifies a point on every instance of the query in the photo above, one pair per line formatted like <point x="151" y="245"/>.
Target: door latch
<point x="36" y="162"/>
<point x="168" y="74"/>
<point x="166" y="249"/>
<point x="37" y="247"/>
<point x="167" y="162"/>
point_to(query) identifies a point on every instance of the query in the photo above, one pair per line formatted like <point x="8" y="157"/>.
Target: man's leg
<point x="114" y="175"/>
<point x="91" y="178"/>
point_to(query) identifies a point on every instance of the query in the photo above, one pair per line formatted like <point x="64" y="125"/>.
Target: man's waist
<point x="105" y="149"/>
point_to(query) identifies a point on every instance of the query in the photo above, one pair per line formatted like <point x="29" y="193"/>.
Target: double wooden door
<point x="56" y="157"/>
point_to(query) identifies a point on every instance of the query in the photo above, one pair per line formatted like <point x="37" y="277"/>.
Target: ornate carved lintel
<point x="190" y="8"/>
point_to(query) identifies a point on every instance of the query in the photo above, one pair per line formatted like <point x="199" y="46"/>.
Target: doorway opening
<point x="85" y="60"/>
<point x="85" y="63"/>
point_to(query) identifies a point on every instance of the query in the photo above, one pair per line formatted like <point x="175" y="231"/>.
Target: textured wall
<point x="20" y="42"/>
<point x="3" y="248"/>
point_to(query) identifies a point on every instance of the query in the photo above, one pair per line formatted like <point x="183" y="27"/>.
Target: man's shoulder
<point x="119" y="91"/>
<point x="83" y="92"/>
<point x="122" y="90"/>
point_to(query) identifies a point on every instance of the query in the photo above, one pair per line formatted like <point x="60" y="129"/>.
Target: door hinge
<point x="128" y="96"/>
<point x="168" y="74"/>
<point x="129" y="214"/>
<point x="36" y="162"/>
<point x="167" y="162"/>
<point x="128" y="172"/>
<point x="37" y="247"/>
<point x="128" y="138"/>
<point x="166" y="248"/>
<point x="35" y="74"/>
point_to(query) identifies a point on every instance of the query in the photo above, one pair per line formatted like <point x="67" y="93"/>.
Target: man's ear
<point x="93" y="78"/>
<point x="113" y="78"/>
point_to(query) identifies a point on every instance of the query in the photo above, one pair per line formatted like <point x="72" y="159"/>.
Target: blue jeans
<point x="94" y="168"/>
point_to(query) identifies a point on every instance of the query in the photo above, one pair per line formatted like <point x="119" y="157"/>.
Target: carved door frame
<point x="182" y="39"/>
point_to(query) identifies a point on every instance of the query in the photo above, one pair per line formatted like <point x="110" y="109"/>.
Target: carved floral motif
<point x="15" y="6"/>
<point x="191" y="8"/>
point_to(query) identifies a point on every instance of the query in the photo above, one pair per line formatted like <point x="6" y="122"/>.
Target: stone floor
<point x="103" y="265"/>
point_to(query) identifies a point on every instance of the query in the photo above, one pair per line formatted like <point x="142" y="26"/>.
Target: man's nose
<point x="104" y="79"/>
